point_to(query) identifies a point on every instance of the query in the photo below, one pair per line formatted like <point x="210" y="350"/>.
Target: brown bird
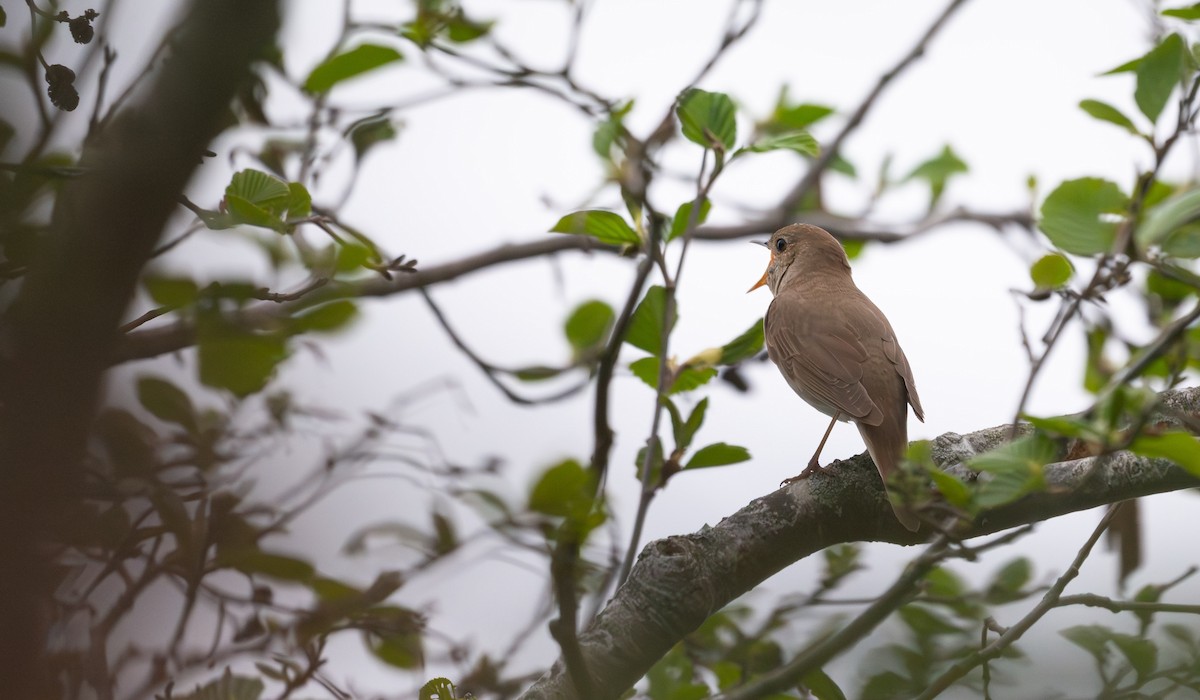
<point x="836" y="349"/>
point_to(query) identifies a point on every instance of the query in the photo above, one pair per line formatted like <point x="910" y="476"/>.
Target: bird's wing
<point x="822" y="359"/>
<point x="896" y="354"/>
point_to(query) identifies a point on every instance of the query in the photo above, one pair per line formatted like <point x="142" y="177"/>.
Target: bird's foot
<point x="811" y="469"/>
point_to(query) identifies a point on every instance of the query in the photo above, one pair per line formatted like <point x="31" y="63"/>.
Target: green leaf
<point x="843" y="166"/>
<point x="402" y="649"/>
<point x="349" y="64"/>
<point x="438" y="18"/>
<point x="438" y="689"/>
<point x="251" y="560"/>
<point x="692" y="378"/>
<point x="166" y="402"/>
<point x="744" y="346"/>
<point x="1091" y="638"/>
<point x="1074" y="215"/>
<point x="951" y="487"/>
<point x="941" y="582"/>
<point x="937" y="171"/>
<point x="351" y="256"/>
<point x="677" y="422"/>
<point x="1179" y="447"/>
<point x="696" y="419"/>
<point x="1129" y="66"/>
<point x="1065" y="426"/>
<point x="646" y="324"/>
<point x="243" y="212"/>
<point x="925" y="622"/>
<point x="610" y="132"/>
<point x="171" y="291"/>
<point x="327" y="318"/>
<point x="330" y="590"/>
<point x="801" y="142"/>
<point x="237" y="360"/>
<point x="821" y="686"/>
<point x="1170" y="290"/>
<point x="798" y="116"/>
<point x="1142" y="654"/>
<point x="707" y="119"/>
<point x="460" y="29"/>
<point x="1189" y="13"/>
<point x="1157" y="75"/>
<point x="536" y="373"/>
<point x="1006" y="585"/>
<point x="227" y="687"/>
<point x="688" y="379"/>
<point x="299" y="201"/>
<point x="1097" y="370"/>
<point x="1167" y="217"/>
<point x="1051" y="271"/>
<point x="604" y="226"/>
<point x="563" y="490"/>
<point x="588" y="325"/>
<point x="260" y="189"/>
<point x="173" y="513"/>
<point x="682" y="216"/>
<point x="368" y="132"/>
<point x="889" y="685"/>
<point x="1183" y="242"/>
<point x="260" y="199"/>
<point x="1107" y="113"/>
<point x="656" y="462"/>
<point x="717" y="454"/>
<point x="1184" y="636"/>
<point x="841" y="560"/>
<point x="1015" y="468"/>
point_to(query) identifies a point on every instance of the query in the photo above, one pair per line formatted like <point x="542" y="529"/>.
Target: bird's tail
<point x="887" y="443"/>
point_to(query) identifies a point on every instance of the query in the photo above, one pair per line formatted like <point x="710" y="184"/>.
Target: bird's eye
<point x="780" y="244"/>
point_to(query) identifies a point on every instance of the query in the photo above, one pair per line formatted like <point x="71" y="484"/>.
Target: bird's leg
<point x="813" y="464"/>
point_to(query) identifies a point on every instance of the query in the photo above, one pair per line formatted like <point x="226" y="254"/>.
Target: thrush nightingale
<point x="836" y="349"/>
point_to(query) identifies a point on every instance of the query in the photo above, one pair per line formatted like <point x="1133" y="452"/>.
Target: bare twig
<point x="148" y="316"/>
<point x="490" y="371"/>
<point x="602" y="431"/>
<point x="1098" y="601"/>
<point x="110" y="57"/>
<point x="830" y="150"/>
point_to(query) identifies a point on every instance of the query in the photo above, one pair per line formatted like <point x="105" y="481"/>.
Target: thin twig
<point x="1048" y="603"/>
<point x="110" y="57"/>
<point x="1092" y="600"/>
<point x="785" y="677"/>
<point x="148" y="316"/>
<point x="1104" y="276"/>
<point x="830" y="151"/>
<point x="489" y="370"/>
<point x="666" y="378"/>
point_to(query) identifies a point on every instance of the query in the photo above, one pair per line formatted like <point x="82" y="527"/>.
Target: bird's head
<point x="799" y="251"/>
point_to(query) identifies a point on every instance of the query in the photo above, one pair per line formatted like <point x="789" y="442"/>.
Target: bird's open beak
<point x="763" y="280"/>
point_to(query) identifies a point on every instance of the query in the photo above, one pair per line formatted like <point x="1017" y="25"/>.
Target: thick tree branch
<point x="59" y="334"/>
<point x="680" y="581"/>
